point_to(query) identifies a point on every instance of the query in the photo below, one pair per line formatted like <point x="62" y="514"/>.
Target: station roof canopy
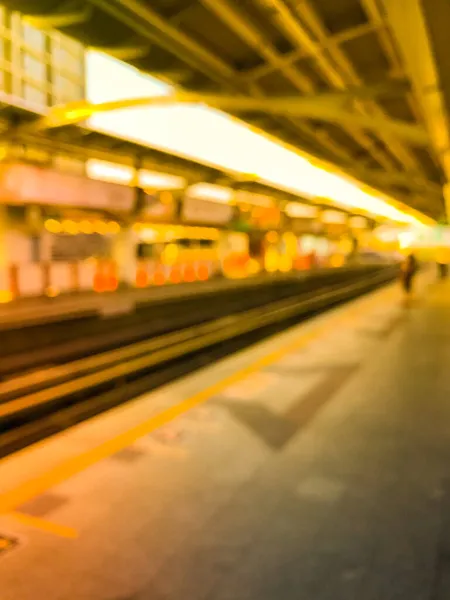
<point x="376" y="70"/>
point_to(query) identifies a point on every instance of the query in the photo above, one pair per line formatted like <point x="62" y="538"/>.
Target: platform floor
<point x="314" y="466"/>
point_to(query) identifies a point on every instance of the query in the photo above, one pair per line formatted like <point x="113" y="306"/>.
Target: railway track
<point x="44" y="401"/>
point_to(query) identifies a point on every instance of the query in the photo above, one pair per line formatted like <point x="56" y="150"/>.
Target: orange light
<point x="142" y="280"/>
<point x="52" y="292"/>
<point x="99" y="283"/>
<point x="5" y="296"/>
<point x="175" y="275"/>
<point x="112" y="283"/>
<point x="53" y="226"/>
<point x="166" y="198"/>
<point x="189" y="273"/>
<point x="272" y="237"/>
<point x="203" y="273"/>
<point x="337" y="261"/>
<point x="159" y="278"/>
<point x="86" y="227"/>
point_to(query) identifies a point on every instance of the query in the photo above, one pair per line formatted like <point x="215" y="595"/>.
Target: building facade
<point x="39" y="68"/>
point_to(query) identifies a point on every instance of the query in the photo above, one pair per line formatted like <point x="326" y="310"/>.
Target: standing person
<point x="442" y="270"/>
<point x="441" y="263"/>
<point x="409" y="269"/>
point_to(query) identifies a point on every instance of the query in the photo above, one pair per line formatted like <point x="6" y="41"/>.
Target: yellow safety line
<point x="44" y="525"/>
<point x="72" y="466"/>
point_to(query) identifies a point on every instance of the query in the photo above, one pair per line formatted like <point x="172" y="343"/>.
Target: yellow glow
<point x="214" y="138"/>
<point x="107" y="171"/>
<point x="208" y="191"/>
<point x="406" y="238"/>
<point x="113" y="227"/>
<point x="148" y="234"/>
<point x="285" y="263"/>
<point x="387" y="234"/>
<point x="253" y="267"/>
<point x="337" y="260"/>
<point x="160" y="181"/>
<point x="301" y="211"/>
<point x="290" y="241"/>
<point x="358" y="222"/>
<point x="272" y="237"/>
<point x="86" y="227"/>
<point x="52" y="292"/>
<point x="166" y="198"/>
<point x="121" y="174"/>
<point x="345" y="245"/>
<point x="205" y="233"/>
<point x="271" y="260"/>
<point x="70" y="227"/>
<point x="78" y="113"/>
<point x="5" y="296"/>
<point x="333" y="217"/>
<point x="53" y="226"/>
<point x="100" y="227"/>
<point x="170" y="254"/>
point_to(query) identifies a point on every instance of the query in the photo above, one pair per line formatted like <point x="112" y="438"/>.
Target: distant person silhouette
<point x="442" y="270"/>
<point x="408" y="271"/>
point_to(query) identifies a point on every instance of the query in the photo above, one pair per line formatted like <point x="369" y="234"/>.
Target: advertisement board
<point x="28" y="184"/>
<point x="69" y="248"/>
<point x="196" y="210"/>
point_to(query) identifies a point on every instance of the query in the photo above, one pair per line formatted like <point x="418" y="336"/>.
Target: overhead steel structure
<point x="339" y="79"/>
<point x="82" y="143"/>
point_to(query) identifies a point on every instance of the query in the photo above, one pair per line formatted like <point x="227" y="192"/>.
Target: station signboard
<point x="68" y="248"/>
<point x="197" y="210"/>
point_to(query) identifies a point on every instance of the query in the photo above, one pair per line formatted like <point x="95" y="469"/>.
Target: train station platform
<point x="43" y="309"/>
<point x="312" y="466"/>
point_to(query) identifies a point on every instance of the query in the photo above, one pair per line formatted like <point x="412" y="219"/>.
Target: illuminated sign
<point x="195" y="210"/>
<point x="358" y="222"/>
<point x="68" y="248"/>
<point x="428" y="237"/>
<point x="296" y="210"/>
<point x="28" y="184"/>
<point x="333" y="217"/>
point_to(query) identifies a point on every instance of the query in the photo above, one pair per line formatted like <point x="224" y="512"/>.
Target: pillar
<point x="124" y="255"/>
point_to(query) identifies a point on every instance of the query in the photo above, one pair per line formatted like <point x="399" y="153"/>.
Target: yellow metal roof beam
<point x="144" y="21"/>
<point x="59" y="20"/>
<point x="347" y="35"/>
<point x="408" y="21"/>
<point x="326" y="107"/>
<point x="340" y="72"/>
<point x="148" y="23"/>
<point x="124" y="53"/>
<point x="234" y="17"/>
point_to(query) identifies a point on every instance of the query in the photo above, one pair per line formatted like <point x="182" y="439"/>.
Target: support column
<point x="4" y="250"/>
<point x="8" y="278"/>
<point x="124" y="255"/>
